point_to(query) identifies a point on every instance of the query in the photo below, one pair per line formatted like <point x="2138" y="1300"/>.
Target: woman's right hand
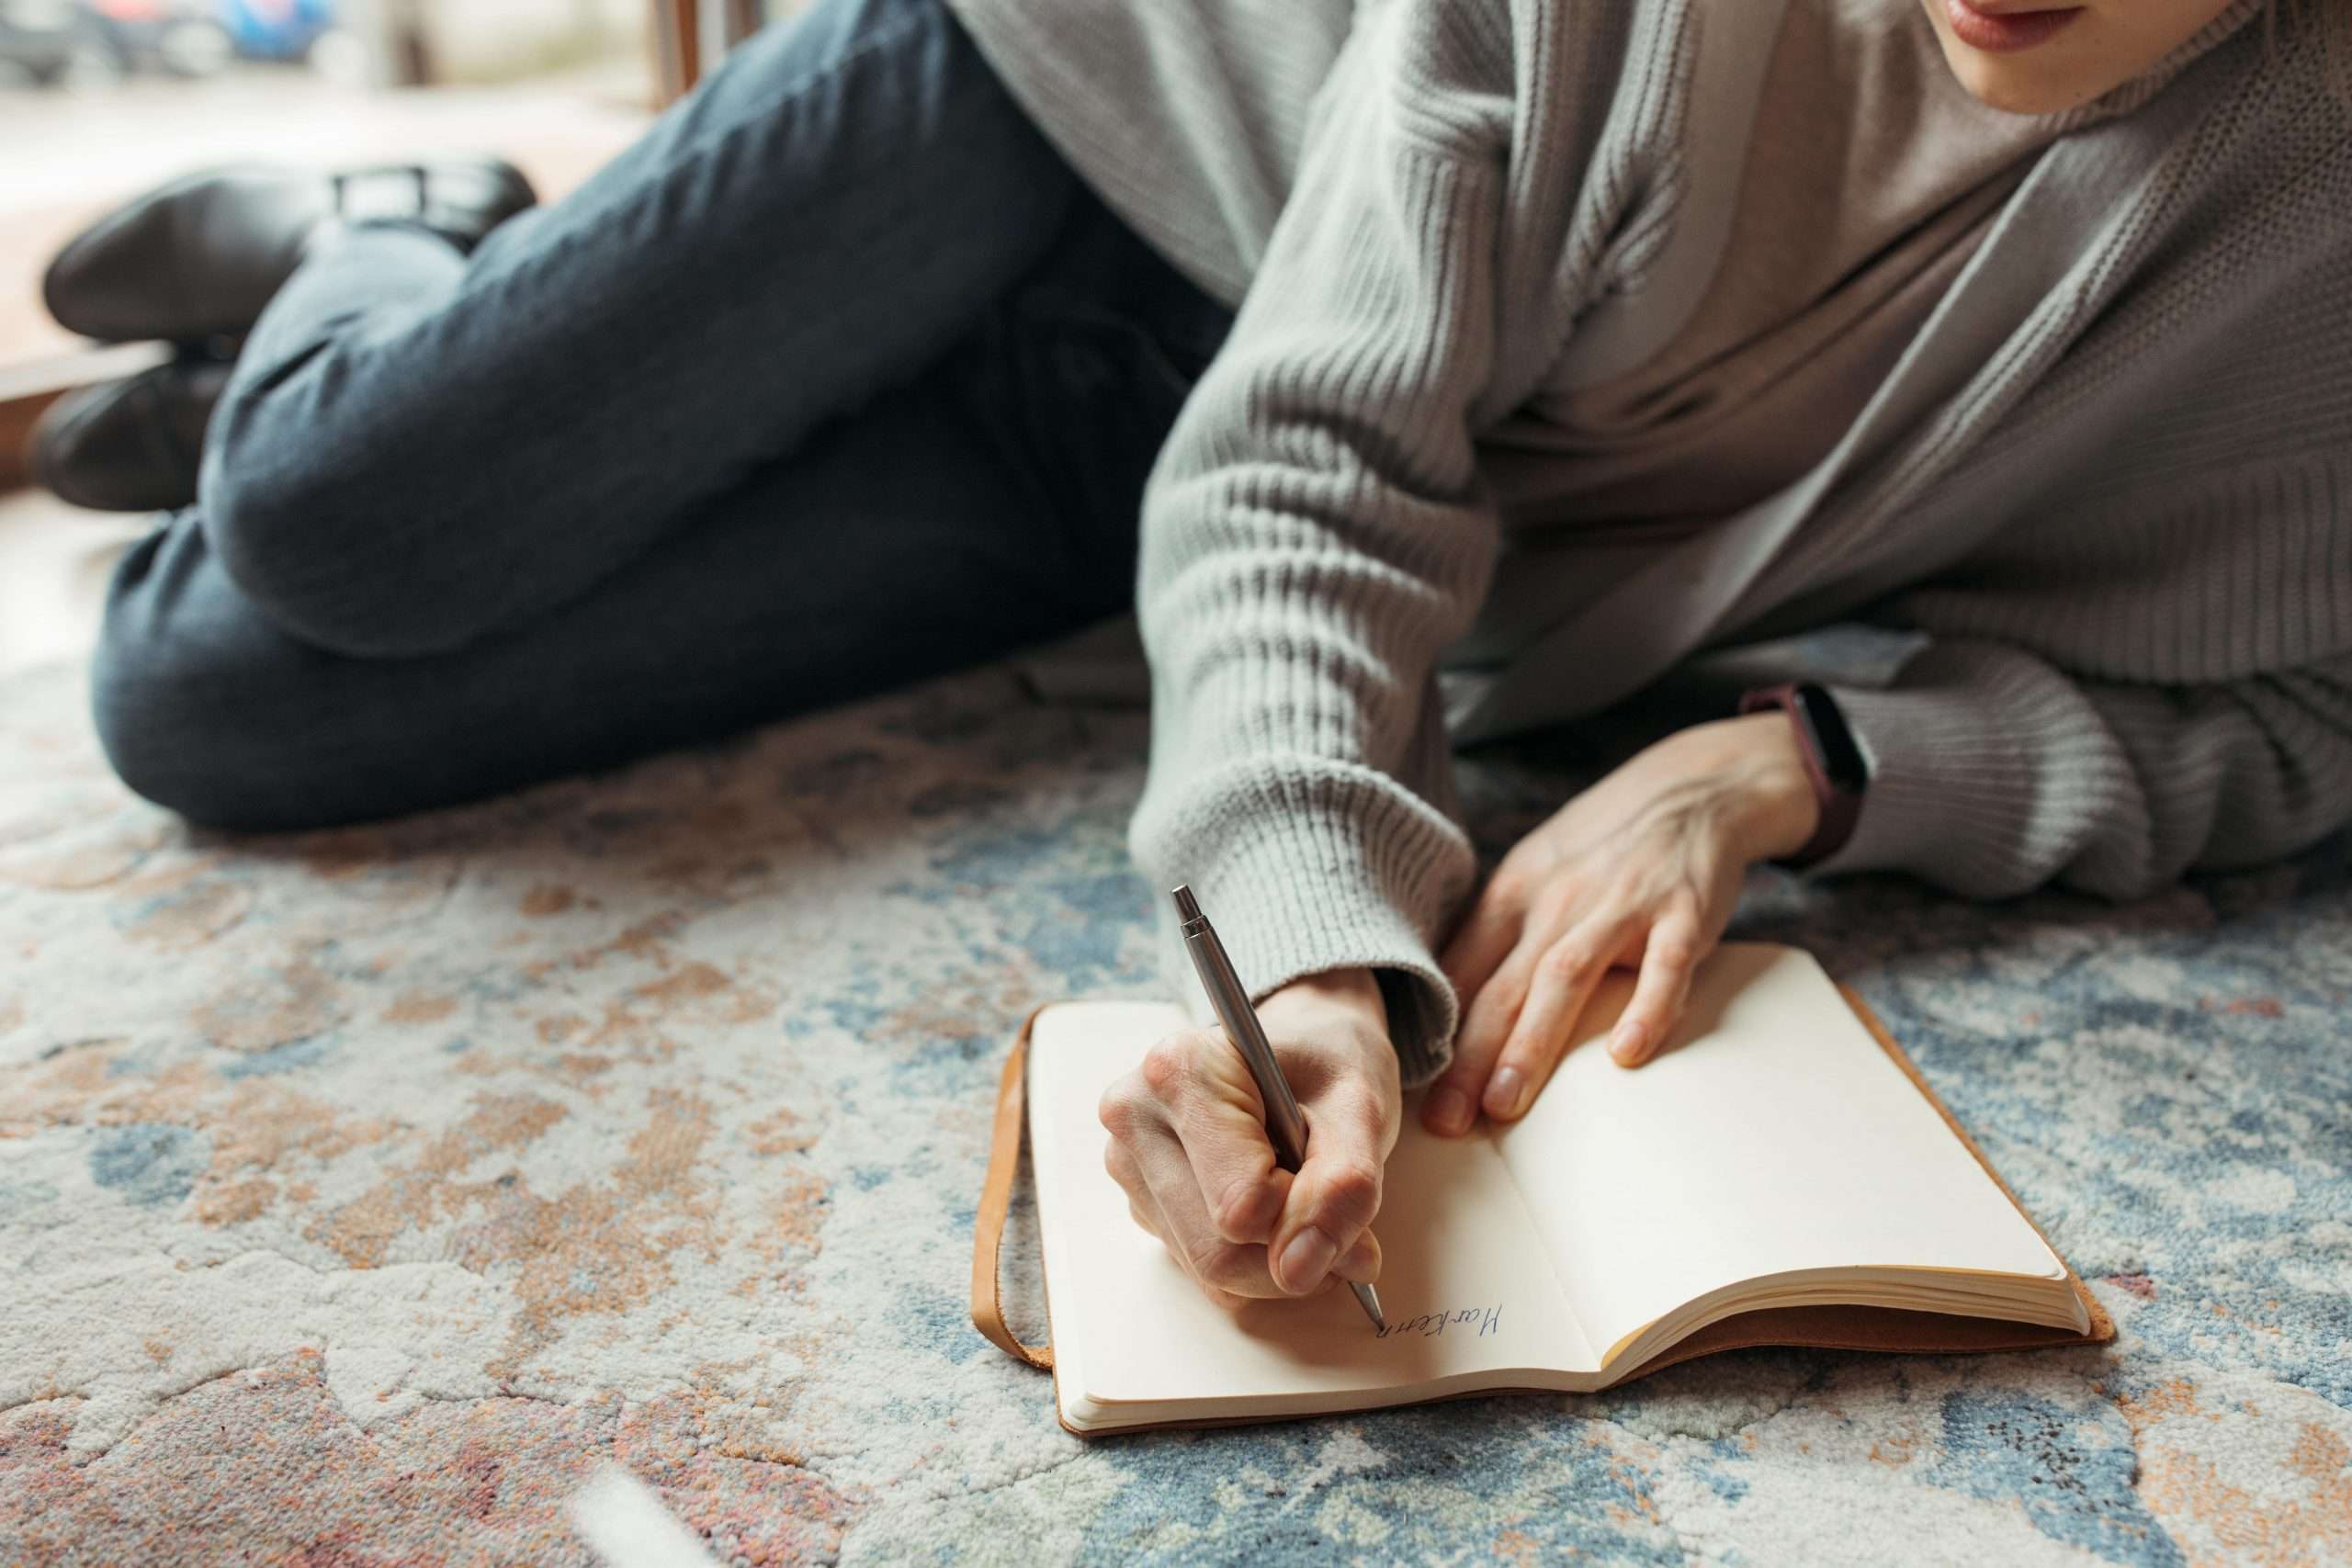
<point x="1189" y="1145"/>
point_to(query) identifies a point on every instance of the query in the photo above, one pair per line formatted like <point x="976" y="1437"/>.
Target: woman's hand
<point x="1642" y="870"/>
<point x="1188" y="1142"/>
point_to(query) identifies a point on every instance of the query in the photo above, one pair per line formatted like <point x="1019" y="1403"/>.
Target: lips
<point x="2005" y="31"/>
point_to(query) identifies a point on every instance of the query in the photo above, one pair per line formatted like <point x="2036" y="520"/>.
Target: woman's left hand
<point x="1642" y="870"/>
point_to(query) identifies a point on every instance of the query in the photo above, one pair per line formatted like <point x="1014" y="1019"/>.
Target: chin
<point x="2002" y="90"/>
<point x="2002" y="84"/>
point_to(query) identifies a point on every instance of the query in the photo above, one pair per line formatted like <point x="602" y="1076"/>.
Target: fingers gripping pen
<point x="1285" y="1123"/>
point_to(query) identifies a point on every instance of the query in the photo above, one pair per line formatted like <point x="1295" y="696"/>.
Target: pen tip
<point x="1369" y="1299"/>
<point x="1187" y="907"/>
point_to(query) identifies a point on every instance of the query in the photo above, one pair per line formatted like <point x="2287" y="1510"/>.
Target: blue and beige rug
<point x="363" y="1194"/>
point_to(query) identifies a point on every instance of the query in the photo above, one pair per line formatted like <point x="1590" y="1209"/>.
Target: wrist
<point x="1775" y="810"/>
<point x="1352" y="995"/>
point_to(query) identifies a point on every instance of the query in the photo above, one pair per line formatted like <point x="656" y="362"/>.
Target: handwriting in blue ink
<point x="1431" y="1324"/>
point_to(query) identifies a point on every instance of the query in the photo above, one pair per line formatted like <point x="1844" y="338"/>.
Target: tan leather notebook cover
<point x="1828" y="1328"/>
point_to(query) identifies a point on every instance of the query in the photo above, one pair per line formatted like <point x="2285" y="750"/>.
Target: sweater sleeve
<point x="1315" y="532"/>
<point x="1992" y="772"/>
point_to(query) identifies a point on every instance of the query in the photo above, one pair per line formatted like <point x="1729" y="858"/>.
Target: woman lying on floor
<point x="1471" y="363"/>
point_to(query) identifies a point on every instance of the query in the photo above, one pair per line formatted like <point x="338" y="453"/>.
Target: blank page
<point x="1467" y="1285"/>
<point x="1773" y="1134"/>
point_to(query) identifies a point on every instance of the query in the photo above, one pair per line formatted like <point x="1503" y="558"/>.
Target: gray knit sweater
<point x="2111" y="481"/>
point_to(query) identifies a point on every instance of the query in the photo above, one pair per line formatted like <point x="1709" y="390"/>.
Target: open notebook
<point x="1779" y="1175"/>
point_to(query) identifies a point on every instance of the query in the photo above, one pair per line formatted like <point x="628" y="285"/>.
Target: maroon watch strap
<point x="1840" y="808"/>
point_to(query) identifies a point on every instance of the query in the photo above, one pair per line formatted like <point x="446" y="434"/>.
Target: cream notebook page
<point x="1774" y="1137"/>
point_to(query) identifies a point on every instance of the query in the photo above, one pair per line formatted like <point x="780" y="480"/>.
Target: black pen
<point x="1285" y="1123"/>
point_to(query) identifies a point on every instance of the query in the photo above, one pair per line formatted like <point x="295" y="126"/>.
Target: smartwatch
<point x="1833" y="762"/>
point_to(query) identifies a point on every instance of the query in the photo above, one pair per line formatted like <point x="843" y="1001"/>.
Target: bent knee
<point x="178" y="741"/>
<point x="300" y="527"/>
<point x="158" y="757"/>
<point x="186" y="694"/>
<point x="276" y="531"/>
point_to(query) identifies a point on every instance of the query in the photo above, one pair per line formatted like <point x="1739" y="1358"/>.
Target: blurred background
<point x="100" y="99"/>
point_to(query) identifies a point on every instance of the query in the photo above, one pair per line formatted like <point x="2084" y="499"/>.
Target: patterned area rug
<point x="364" y="1194"/>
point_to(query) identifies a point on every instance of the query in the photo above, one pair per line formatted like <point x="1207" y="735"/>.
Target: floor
<point x="54" y="564"/>
<point x="365" y="1194"/>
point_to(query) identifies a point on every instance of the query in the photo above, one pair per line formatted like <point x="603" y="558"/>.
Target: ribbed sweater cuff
<point x="1983" y="778"/>
<point x="1300" y="877"/>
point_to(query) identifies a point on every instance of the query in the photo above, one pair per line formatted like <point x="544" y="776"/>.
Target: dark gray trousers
<point x="838" y="378"/>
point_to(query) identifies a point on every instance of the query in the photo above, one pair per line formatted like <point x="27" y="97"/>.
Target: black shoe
<point x="130" y="445"/>
<point x="199" y="258"/>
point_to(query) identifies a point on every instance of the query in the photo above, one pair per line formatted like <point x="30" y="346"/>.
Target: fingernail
<point x="1450" y="1110"/>
<point x="1504" y="1091"/>
<point x="1306" y="1260"/>
<point x="1626" y="1043"/>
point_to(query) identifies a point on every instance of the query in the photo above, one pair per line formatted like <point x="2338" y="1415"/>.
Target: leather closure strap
<point x="996" y="1201"/>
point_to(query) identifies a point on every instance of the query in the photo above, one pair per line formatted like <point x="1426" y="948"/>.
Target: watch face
<point x="1841" y="758"/>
